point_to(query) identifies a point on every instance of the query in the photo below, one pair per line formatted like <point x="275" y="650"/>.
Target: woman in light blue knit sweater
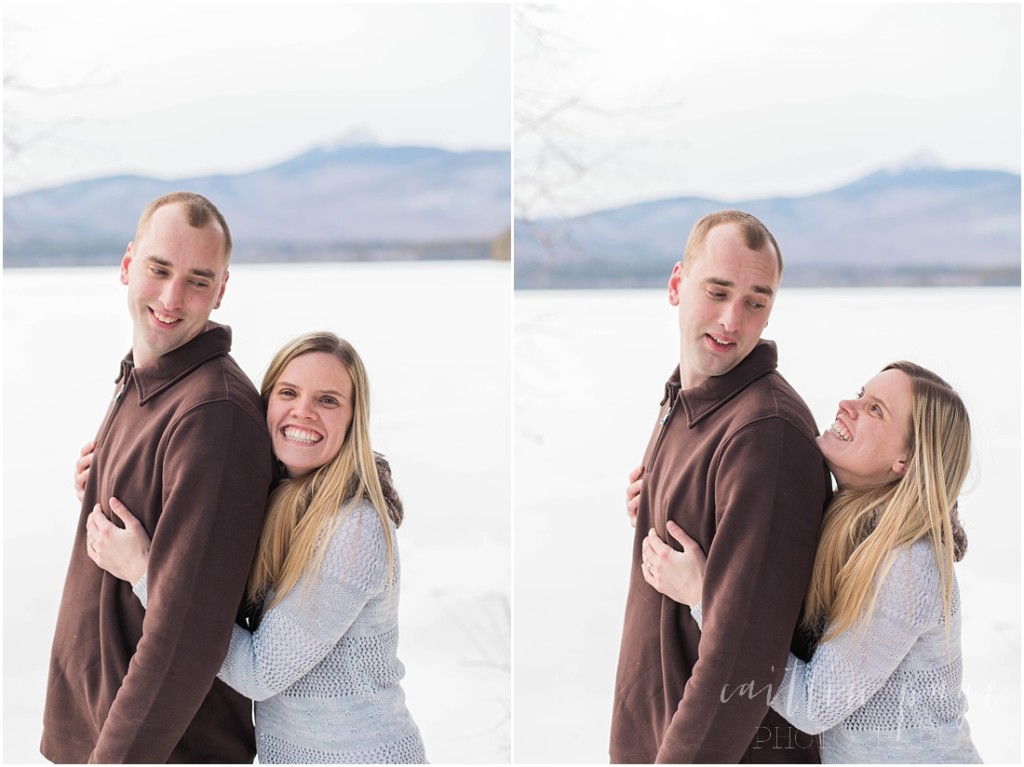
<point x="885" y="681"/>
<point x="321" y="663"/>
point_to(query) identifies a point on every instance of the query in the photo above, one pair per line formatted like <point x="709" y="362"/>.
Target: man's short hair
<point x="755" y="234"/>
<point x="199" y="210"/>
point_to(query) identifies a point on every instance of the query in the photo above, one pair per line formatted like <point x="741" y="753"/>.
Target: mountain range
<point x="363" y="202"/>
<point x="910" y="226"/>
<point x="916" y="226"/>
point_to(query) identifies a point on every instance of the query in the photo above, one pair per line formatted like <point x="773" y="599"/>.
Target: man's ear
<point x="673" y="283"/>
<point x="223" y="284"/>
<point x="129" y="253"/>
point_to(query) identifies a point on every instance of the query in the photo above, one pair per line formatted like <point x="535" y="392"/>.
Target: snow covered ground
<point x="436" y="341"/>
<point x="589" y="373"/>
<point x="589" y="368"/>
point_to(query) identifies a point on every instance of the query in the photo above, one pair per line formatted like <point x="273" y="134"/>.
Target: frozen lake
<point x="589" y="373"/>
<point x="436" y="341"/>
<point x="589" y="368"/>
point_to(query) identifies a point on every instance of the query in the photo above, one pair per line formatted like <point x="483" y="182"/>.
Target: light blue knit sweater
<point x="322" y="665"/>
<point x="890" y="688"/>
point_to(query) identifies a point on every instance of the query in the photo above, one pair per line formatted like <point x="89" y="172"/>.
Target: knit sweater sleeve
<point x="846" y="671"/>
<point x="297" y="633"/>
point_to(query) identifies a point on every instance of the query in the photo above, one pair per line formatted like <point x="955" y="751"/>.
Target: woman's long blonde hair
<point x="301" y="513"/>
<point x="863" y="526"/>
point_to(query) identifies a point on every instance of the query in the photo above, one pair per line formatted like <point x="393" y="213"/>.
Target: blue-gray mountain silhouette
<point x="917" y="226"/>
<point x="345" y="202"/>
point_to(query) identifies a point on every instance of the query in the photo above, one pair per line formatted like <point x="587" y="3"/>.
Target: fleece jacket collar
<point x="167" y="370"/>
<point x="701" y="401"/>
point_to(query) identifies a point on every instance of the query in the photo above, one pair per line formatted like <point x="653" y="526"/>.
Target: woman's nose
<point x="302" y="408"/>
<point x="848" y="406"/>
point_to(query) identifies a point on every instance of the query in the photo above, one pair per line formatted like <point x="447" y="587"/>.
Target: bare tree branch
<point x="29" y="105"/>
<point x="555" y="154"/>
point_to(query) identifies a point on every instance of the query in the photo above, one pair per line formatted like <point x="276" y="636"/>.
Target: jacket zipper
<point x="661" y="434"/>
<point x="126" y="372"/>
<point x="652" y="451"/>
<point x="115" y="405"/>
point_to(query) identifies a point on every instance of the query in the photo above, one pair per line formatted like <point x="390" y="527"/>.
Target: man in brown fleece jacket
<point x="733" y="461"/>
<point x="184" y="444"/>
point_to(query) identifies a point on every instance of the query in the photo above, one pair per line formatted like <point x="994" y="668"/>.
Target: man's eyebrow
<point x="207" y="273"/>
<point x="724" y="283"/>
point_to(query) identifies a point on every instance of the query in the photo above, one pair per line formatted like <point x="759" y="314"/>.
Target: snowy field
<point x="589" y="373"/>
<point x="589" y="368"/>
<point x="436" y="341"/>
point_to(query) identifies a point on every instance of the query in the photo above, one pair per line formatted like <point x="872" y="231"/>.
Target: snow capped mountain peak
<point x="357" y="136"/>
<point x="924" y="159"/>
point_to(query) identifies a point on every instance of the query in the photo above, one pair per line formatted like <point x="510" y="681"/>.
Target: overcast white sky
<point x="720" y="99"/>
<point x="183" y="88"/>
<point x="737" y="101"/>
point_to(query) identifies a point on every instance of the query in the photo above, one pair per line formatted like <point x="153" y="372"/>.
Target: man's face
<point x="176" y="275"/>
<point x="725" y="295"/>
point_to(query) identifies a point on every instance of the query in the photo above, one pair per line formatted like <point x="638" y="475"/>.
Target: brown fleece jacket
<point x="734" y="463"/>
<point x="185" y="447"/>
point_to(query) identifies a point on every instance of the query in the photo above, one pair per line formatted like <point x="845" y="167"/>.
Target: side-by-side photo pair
<point x="693" y="335"/>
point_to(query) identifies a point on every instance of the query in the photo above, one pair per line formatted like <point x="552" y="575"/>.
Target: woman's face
<point x="309" y="412"/>
<point x="867" y="444"/>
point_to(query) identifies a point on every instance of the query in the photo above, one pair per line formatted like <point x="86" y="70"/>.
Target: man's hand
<point x="633" y="493"/>
<point x="82" y="466"/>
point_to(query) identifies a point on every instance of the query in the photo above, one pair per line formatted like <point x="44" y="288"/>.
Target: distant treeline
<point x="100" y="253"/>
<point x="619" y="276"/>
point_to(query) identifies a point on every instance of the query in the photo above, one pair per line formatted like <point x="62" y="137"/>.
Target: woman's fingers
<point x="130" y="522"/>
<point x="82" y="466"/>
<point x="633" y="494"/>
<point x="655" y="555"/>
<point x="658" y="546"/>
<point x="97" y="524"/>
<point x="97" y="527"/>
<point x="689" y="545"/>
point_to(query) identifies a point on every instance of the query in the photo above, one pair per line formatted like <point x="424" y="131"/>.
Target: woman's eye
<point x="330" y="401"/>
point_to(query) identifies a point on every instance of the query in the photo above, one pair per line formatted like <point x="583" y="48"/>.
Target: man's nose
<point x="731" y="316"/>
<point x="172" y="294"/>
